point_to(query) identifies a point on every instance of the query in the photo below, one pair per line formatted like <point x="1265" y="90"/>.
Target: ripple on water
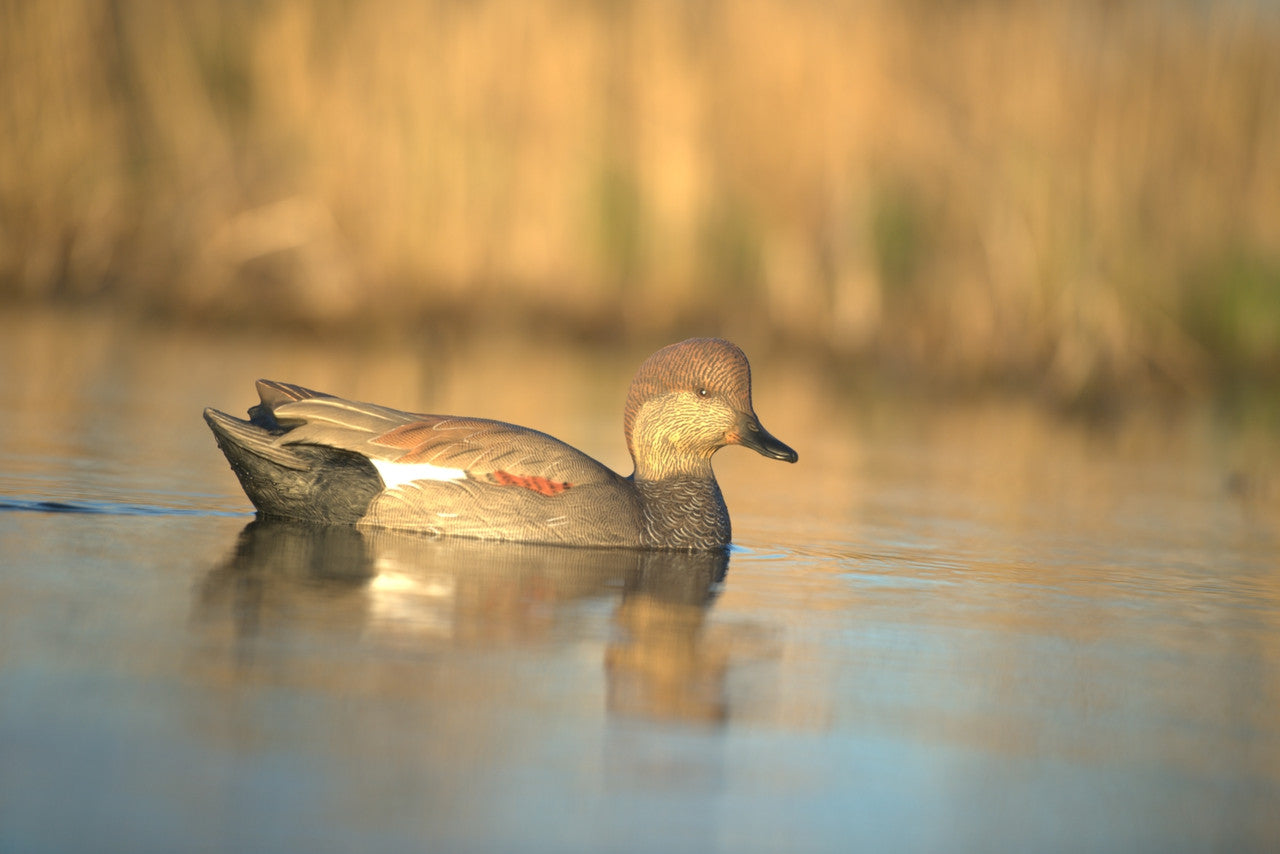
<point x="108" y="508"/>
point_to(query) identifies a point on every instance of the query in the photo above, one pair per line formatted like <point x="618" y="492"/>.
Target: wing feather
<point x="477" y="445"/>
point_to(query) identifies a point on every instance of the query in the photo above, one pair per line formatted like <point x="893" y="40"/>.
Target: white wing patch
<point x="398" y="474"/>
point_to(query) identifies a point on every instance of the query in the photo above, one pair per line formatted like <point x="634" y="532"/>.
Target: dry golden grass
<point x="1079" y="195"/>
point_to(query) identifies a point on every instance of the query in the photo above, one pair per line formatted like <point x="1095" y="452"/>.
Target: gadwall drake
<point x="315" y="457"/>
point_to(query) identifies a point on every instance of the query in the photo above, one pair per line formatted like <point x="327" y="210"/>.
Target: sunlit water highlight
<point x="946" y="629"/>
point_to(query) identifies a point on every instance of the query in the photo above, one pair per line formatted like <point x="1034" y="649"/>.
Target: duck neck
<point x="684" y="511"/>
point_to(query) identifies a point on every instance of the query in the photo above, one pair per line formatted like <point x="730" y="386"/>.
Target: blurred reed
<point x="1083" y="197"/>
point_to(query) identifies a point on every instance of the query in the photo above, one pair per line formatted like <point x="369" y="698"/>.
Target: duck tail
<point x="309" y="482"/>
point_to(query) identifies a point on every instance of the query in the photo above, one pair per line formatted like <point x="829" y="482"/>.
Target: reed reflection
<point x="289" y="587"/>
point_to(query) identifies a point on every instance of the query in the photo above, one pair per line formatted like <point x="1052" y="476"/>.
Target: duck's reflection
<point x="287" y="582"/>
<point x="660" y="664"/>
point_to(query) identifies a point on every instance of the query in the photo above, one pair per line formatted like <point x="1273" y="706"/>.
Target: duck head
<point x="688" y="401"/>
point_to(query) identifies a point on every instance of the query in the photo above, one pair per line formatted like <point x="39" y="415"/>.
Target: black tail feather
<point x="308" y="482"/>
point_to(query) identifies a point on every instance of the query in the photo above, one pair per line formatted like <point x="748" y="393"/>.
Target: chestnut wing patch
<point x="541" y="485"/>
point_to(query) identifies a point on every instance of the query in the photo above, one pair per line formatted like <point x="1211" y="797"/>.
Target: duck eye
<point x="702" y="391"/>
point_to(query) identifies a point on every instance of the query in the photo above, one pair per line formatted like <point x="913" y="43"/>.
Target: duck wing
<point x="406" y="446"/>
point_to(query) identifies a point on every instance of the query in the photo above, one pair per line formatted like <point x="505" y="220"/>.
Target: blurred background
<point x="1076" y="199"/>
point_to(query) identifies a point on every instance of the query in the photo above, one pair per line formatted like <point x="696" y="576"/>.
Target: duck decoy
<point x="307" y="455"/>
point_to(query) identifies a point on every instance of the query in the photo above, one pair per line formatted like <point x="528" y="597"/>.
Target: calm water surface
<point x="946" y="629"/>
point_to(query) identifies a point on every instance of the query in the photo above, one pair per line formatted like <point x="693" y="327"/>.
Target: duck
<point x="314" y="457"/>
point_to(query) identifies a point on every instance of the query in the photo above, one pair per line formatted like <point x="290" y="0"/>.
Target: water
<point x="948" y="628"/>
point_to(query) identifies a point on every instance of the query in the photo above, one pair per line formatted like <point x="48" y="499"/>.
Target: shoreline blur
<point x="1076" y="199"/>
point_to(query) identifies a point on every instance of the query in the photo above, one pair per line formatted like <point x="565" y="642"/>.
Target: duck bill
<point x="751" y="434"/>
